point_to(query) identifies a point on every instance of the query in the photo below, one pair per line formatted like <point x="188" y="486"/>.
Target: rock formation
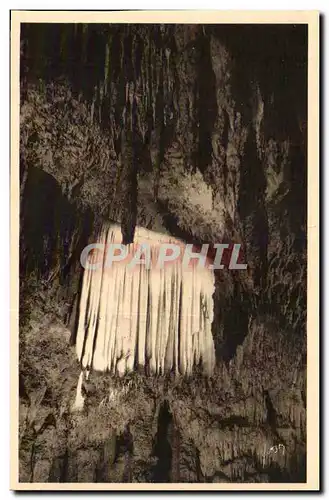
<point x="198" y="133"/>
<point x="158" y="318"/>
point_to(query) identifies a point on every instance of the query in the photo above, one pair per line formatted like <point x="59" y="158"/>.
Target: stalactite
<point x="156" y="318"/>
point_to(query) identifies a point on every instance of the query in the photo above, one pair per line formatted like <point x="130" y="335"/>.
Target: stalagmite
<point x="79" y="399"/>
<point x="143" y="315"/>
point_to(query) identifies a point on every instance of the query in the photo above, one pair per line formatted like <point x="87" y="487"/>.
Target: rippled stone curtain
<point x="138" y="317"/>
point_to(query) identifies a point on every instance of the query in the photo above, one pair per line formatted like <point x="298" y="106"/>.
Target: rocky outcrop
<point x="247" y="423"/>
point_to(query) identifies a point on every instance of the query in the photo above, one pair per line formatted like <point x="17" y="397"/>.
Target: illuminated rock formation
<point x="159" y="319"/>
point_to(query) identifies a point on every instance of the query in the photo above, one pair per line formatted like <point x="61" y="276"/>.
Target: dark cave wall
<point x="105" y="111"/>
<point x="227" y="100"/>
<point x="53" y="233"/>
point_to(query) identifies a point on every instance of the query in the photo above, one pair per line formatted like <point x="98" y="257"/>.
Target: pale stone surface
<point x="156" y="317"/>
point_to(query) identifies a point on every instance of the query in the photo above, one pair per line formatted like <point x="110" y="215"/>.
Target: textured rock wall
<point x="225" y="102"/>
<point x="126" y="121"/>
